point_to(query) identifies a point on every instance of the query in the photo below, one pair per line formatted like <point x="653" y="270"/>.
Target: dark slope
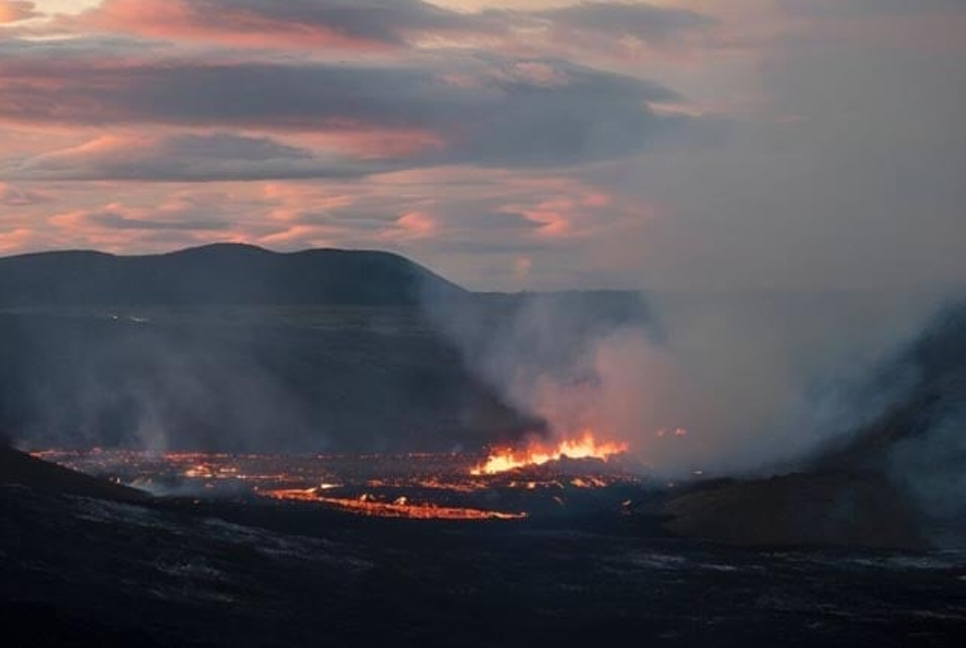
<point x="928" y="384"/>
<point x="896" y="482"/>
<point x="262" y="380"/>
<point x="186" y="573"/>
<point x="17" y="468"/>
<point x="804" y="509"/>
<point x="216" y="275"/>
<point x="232" y="347"/>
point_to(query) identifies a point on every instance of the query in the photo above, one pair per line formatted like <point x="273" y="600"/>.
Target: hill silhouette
<point x="215" y="275"/>
<point x="17" y="468"/>
<point x="318" y="378"/>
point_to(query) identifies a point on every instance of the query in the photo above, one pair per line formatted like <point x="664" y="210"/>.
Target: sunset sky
<point x="514" y="144"/>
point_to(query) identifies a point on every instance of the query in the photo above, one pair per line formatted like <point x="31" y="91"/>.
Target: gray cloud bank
<point x="362" y="23"/>
<point x="484" y="111"/>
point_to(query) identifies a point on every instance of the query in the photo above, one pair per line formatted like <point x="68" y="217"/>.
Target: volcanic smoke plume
<point x="717" y="384"/>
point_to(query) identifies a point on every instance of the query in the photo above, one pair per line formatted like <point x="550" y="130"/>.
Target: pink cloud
<point x="412" y="226"/>
<point x="234" y="26"/>
<point x="297" y="235"/>
<point x="569" y="209"/>
<point x="289" y="203"/>
<point x="12" y="196"/>
<point x="195" y="155"/>
<point x="185" y="212"/>
<point x="486" y="227"/>
<point x="12" y="11"/>
<point x="615" y="32"/>
<point x="551" y="216"/>
<point x="19" y="240"/>
<point x="597" y="199"/>
<point x="123" y="228"/>
<point x="522" y="266"/>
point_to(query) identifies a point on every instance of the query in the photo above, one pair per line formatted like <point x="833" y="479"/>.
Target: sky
<point x="675" y="145"/>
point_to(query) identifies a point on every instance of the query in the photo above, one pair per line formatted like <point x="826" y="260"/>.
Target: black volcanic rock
<point x="807" y="509"/>
<point x="18" y="468"/>
<point x="216" y="275"/>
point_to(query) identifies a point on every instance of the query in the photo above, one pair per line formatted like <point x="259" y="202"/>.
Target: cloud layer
<point x="12" y="11"/>
<point x="679" y="145"/>
<point x="359" y="25"/>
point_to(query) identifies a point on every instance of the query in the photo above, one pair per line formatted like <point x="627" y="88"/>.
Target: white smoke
<point x="719" y="384"/>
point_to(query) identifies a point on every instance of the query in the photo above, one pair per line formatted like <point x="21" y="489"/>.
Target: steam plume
<point x="725" y="384"/>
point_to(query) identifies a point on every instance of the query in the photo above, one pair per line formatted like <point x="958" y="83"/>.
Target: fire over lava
<point x="585" y="447"/>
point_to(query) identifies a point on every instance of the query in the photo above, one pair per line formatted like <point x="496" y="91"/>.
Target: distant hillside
<point x="236" y="348"/>
<point x="269" y="380"/>
<point x="24" y="470"/>
<point x="216" y="274"/>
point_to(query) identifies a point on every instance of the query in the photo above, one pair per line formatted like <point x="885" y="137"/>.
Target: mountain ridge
<point x="220" y="273"/>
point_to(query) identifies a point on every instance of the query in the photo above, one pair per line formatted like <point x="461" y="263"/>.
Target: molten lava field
<point x="418" y="486"/>
<point x="347" y="551"/>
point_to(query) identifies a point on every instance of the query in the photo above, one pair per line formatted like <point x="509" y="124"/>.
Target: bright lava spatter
<point x="585" y="447"/>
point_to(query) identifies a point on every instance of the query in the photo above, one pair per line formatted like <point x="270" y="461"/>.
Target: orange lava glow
<point x="400" y="508"/>
<point x="585" y="447"/>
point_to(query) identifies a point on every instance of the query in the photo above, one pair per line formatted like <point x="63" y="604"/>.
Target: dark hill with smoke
<point x="896" y="481"/>
<point x="252" y="379"/>
<point x="216" y="274"/>
<point x="928" y="380"/>
<point x="232" y="347"/>
<point x="236" y="348"/>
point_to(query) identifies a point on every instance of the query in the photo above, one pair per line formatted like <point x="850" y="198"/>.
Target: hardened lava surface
<point x="226" y="566"/>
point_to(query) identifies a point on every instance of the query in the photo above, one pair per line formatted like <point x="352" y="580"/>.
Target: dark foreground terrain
<point x="81" y="568"/>
<point x="197" y="351"/>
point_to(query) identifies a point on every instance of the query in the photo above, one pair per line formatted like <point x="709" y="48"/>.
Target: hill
<point x="23" y="470"/>
<point x="216" y="275"/>
<point x="801" y="509"/>
<point x="261" y="379"/>
<point x="894" y="482"/>
<point x="233" y="347"/>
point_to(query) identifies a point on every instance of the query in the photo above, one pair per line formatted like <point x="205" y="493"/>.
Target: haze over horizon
<point x="548" y="144"/>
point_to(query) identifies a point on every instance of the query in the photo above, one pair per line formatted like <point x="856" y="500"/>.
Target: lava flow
<point x="586" y="447"/>
<point x="399" y="508"/>
<point x="415" y="486"/>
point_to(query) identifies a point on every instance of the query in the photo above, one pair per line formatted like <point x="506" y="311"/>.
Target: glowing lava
<point x="400" y="508"/>
<point x="586" y="447"/>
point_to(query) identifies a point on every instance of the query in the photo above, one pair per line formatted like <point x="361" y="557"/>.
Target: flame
<point x="585" y="447"/>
